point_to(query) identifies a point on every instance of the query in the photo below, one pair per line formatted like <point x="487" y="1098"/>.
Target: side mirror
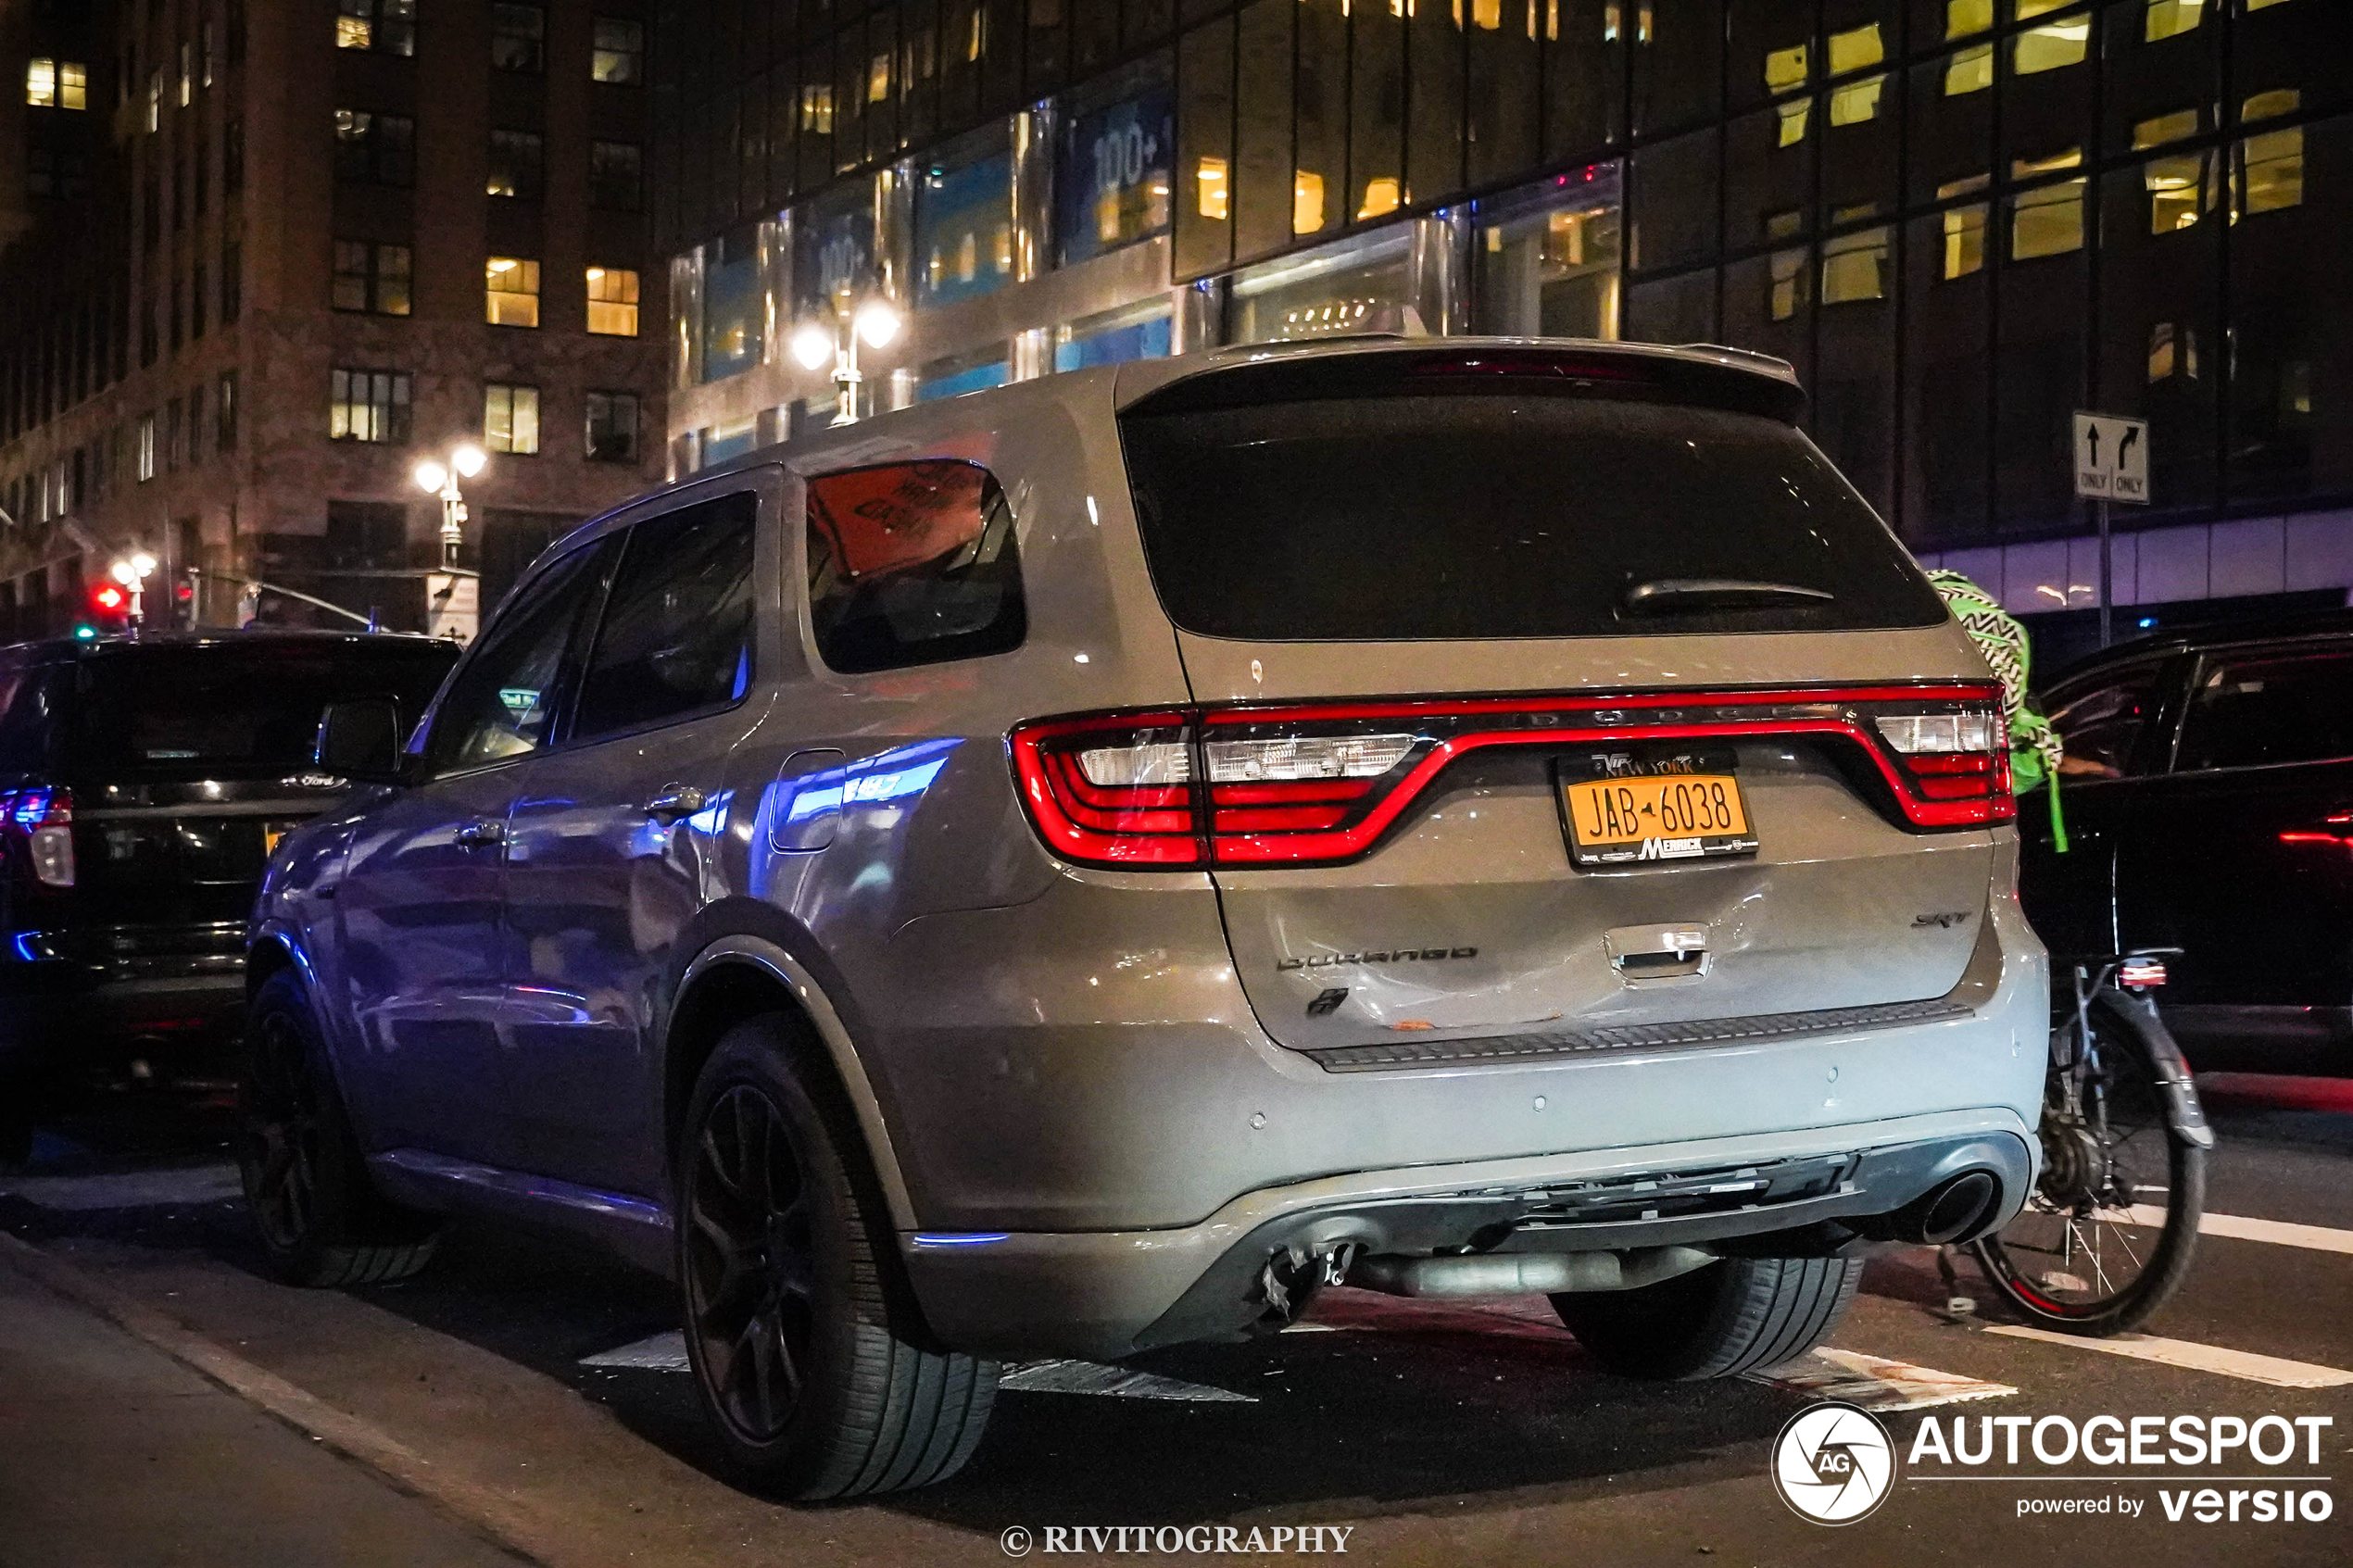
<point x="360" y="740"/>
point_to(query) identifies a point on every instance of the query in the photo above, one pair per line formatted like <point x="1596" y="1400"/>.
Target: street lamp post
<point x="877" y="322"/>
<point x="131" y="572"/>
<point x="453" y="595"/>
<point x="433" y="474"/>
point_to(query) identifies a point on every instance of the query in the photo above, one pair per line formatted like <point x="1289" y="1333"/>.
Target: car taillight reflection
<point x="44" y="820"/>
<point x="1320" y="783"/>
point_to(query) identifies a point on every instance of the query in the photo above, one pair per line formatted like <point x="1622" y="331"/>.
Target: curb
<point x="479" y="1508"/>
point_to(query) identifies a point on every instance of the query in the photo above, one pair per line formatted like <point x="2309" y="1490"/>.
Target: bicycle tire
<point x="2177" y="1238"/>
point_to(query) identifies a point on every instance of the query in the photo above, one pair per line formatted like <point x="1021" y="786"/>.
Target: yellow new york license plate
<point x="1656" y="817"/>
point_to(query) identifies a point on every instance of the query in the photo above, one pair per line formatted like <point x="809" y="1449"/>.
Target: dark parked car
<point x="143" y="785"/>
<point x="2209" y="807"/>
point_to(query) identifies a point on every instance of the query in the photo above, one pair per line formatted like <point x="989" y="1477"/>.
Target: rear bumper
<point x="73" y="999"/>
<point x="1112" y="1293"/>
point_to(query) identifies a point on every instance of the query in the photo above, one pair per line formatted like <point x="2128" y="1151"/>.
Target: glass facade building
<point x="1962" y="220"/>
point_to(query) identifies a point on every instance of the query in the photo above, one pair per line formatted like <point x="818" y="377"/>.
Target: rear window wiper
<point x="1668" y="595"/>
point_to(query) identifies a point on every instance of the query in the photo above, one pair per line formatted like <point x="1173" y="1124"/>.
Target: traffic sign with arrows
<point x="2112" y="458"/>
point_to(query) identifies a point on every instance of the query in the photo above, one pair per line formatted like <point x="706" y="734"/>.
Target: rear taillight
<point x="44" y="820"/>
<point x="1953" y="759"/>
<point x="1316" y="785"/>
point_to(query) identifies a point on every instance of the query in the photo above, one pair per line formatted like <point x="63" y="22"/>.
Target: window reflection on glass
<point x="734" y="309"/>
<point x="2179" y="189"/>
<point x="2172" y="352"/>
<point x="2268" y="172"/>
<point x="1113" y="337"/>
<point x="619" y="52"/>
<point x="961" y="373"/>
<point x="2157" y="130"/>
<point x="2269" y="106"/>
<point x="1785" y="68"/>
<point x="1382" y="197"/>
<point x="611" y="427"/>
<point x="2052" y="47"/>
<point x="2049" y="163"/>
<point x="1964" y="241"/>
<point x="1855" y="267"/>
<point x="1209" y="178"/>
<point x="1116" y="174"/>
<point x="1857" y="102"/>
<point x="1970" y="70"/>
<point x="1963" y="18"/>
<point x="1786" y="283"/>
<point x="1855" y="49"/>
<point x="1306" y="201"/>
<point x="1356" y="286"/>
<point x="2048" y="221"/>
<point x="1794" y="115"/>
<point x="963" y="228"/>
<point x="2170" y="19"/>
<point x="2027" y="9"/>
<point x="1549" y="256"/>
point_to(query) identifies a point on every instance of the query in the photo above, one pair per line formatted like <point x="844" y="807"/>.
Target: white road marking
<point x="1092" y="1378"/>
<point x="127" y="1189"/>
<point x="2273" y="1369"/>
<point x="1874" y="1382"/>
<point x="667" y="1352"/>
<point x="663" y="1352"/>
<point x="2280" y="1233"/>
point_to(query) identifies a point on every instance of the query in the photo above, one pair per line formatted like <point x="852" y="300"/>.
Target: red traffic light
<point x="110" y="600"/>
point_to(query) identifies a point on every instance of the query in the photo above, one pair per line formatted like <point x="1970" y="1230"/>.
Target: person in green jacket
<point x="2036" y="750"/>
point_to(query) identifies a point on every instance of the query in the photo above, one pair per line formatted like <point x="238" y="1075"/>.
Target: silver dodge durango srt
<point x="1081" y="867"/>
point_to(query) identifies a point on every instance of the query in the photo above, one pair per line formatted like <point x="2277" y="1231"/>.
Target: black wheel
<point x="1727" y="1318"/>
<point x="321" y="1221"/>
<point x="807" y="1349"/>
<point x="2111" y="1227"/>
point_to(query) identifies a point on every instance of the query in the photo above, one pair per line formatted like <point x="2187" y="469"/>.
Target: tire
<point x="320" y="1219"/>
<point x="2008" y="1263"/>
<point x="1725" y="1319"/>
<point x="807" y="1352"/>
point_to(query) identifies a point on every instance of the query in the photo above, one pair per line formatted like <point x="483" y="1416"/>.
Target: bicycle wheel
<point x="2110" y="1230"/>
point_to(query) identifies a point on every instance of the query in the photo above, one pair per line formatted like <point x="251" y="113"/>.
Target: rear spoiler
<point x="1712" y="378"/>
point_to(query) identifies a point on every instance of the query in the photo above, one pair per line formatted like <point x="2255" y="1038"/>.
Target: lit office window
<point x="612" y="300"/>
<point x="368" y="406"/>
<point x="56" y="84"/>
<point x="388" y="27"/>
<point x="511" y="419"/>
<point x="2170" y="19"/>
<point x="1855" y="267"/>
<point x="1855" y="49"/>
<point x="511" y="292"/>
<point x="619" y="52"/>
<point x="1964" y="241"/>
<point x="2052" y="47"/>
<point x="2267" y="172"/>
<point x="2048" y="221"/>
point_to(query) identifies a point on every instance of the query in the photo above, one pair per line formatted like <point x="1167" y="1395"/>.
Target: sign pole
<point x="2099" y="508"/>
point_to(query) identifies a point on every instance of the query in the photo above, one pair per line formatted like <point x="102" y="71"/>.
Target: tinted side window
<point x="503" y="701"/>
<point x="28" y="699"/>
<point x="2102" y="725"/>
<point x="676" y="632"/>
<point x="2281" y="706"/>
<point x="912" y="563"/>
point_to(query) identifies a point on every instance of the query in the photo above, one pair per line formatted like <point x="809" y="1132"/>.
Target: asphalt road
<point x="517" y="1401"/>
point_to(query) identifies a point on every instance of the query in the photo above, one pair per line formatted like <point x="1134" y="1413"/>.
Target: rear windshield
<point x="181" y="711"/>
<point x="1467" y="515"/>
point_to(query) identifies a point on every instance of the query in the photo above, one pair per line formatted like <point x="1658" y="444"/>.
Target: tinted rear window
<point x="1505" y="514"/>
<point x="232" y="711"/>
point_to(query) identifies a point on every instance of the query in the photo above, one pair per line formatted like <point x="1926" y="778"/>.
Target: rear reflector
<point x="1318" y="785"/>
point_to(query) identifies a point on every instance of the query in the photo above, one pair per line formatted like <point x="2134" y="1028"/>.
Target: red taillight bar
<point x="1203" y="822"/>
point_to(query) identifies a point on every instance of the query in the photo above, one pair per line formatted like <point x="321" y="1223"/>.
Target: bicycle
<point x="2108" y="1232"/>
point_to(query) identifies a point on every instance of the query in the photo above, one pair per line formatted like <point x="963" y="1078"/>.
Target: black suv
<point x="143" y="785"/>
<point x="2209" y="799"/>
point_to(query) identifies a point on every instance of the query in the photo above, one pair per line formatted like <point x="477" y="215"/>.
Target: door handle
<point x="485" y="832"/>
<point x="677" y="801"/>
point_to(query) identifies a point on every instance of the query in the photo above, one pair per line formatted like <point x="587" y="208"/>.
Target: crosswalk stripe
<point x="1093" y="1377"/>
<point x="2281" y="1233"/>
<point x="662" y="1352"/>
<point x="1874" y="1382"/>
<point x="2274" y="1370"/>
